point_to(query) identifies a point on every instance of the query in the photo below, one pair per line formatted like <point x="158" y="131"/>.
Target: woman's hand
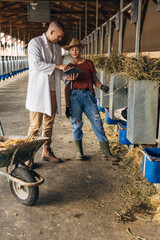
<point x="68" y="113"/>
<point x="72" y="77"/>
<point x="104" y="88"/>
<point x="62" y="67"/>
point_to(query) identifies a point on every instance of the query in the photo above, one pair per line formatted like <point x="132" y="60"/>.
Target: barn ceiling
<point x="14" y="16"/>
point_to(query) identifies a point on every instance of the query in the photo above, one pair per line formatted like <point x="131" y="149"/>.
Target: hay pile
<point x="140" y="194"/>
<point x="113" y="64"/>
<point x="142" y="68"/>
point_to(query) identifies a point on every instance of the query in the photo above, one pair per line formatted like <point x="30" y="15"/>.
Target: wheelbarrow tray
<point x="24" y="152"/>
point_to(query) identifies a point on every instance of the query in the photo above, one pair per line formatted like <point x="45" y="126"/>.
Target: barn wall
<point x="150" y="33"/>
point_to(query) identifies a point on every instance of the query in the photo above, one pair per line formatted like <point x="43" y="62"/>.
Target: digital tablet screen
<point x="73" y="70"/>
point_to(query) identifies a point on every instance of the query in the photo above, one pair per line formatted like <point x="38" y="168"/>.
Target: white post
<point x="109" y="39"/>
<point x="24" y="43"/>
<point x="102" y="40"/>
<point x="138" y="28"/>
<point x="85" y="47"/>
<point x="96" y="47"/>
<point x="11" y="37"/>
<point x="92" y="43"/>
<point x="18" y="42"/>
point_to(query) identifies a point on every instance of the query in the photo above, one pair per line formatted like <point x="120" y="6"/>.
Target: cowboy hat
<point x="74" y="43"/>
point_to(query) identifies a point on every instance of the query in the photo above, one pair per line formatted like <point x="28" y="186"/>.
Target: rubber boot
<point x="80" y="155"/>
<point x="106" y="154"/>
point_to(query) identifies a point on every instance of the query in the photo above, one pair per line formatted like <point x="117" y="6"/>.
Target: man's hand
<point x="72" y="77"/>
<point x="62" y="67"/>
<point x="68" y="113"/>
<point x="104" y="88"/>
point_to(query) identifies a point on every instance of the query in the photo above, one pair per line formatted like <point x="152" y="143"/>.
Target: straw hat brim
<point x="68" y="47"/>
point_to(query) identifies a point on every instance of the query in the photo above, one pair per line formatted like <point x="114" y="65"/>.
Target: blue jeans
<point x="84" y="101"/>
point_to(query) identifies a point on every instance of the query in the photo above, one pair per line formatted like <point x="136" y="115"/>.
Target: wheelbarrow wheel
<point x="26" y="195"/>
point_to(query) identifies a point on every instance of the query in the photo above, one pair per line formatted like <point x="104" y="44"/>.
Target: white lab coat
<point x="40" y="60"/>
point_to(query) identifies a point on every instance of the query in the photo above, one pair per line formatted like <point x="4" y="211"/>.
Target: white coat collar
<point x="44" y="38"/>
<point x="47" y="45"/>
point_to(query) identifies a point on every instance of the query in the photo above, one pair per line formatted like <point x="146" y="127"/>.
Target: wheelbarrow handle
<point x="1" y="130"/>
<point x="21" y="182"/>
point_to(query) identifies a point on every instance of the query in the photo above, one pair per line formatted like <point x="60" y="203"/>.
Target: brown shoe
<point x="49" y="156"/>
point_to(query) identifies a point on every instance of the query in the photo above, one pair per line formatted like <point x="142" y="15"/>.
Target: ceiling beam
<point x="70" y="1"/>
<point x="12" y="11"/>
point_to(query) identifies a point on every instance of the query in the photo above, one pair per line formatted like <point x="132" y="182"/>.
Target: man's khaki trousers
<point x="37" y="119"/>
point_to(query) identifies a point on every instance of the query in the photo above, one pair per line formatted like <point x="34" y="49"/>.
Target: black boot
<point x="80" y="155"/>
<point x="106" y="154"/>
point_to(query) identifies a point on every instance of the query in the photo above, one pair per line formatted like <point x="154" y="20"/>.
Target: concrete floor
<point x="78" y="200"/>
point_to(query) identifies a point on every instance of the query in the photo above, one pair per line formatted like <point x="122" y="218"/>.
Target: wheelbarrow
<point x="23" y="182"/>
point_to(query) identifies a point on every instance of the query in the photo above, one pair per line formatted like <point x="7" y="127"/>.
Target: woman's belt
<point x="81" y="89"/>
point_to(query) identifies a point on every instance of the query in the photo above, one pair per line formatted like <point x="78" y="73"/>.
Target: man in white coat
<point x="44" y="89"/>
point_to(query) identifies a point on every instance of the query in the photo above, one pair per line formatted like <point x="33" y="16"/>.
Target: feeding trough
<point x="151" y="164"/>
<point x="122" y="133"/>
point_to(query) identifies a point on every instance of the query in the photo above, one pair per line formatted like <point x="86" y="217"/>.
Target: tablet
<point x="73" y="70"/>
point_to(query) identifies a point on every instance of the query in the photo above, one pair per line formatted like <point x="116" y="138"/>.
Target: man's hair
<point x="59" y="25"/>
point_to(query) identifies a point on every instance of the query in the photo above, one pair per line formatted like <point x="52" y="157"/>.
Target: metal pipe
<point x="85" y="19"/>
<point x="88" y="46"/>
<point x="126" y="7"/>
<point x="121" y="28"/>
<point x="24" y="39"/>
<point x="79" y="27"/>
<point x="109" y="39"/>
<point x="18" y="40"/>
<point x="113" y="17"/>
<point x="85" y="48"/>
<point x="76" y="30"/>
<point x="92" y="43"/>
<point x="5" y="51"/>
<point x="96" y="14"/>
<point x="102" y="41"/>
<point x="138" y="28"/>
<point x="11" y="37"/>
